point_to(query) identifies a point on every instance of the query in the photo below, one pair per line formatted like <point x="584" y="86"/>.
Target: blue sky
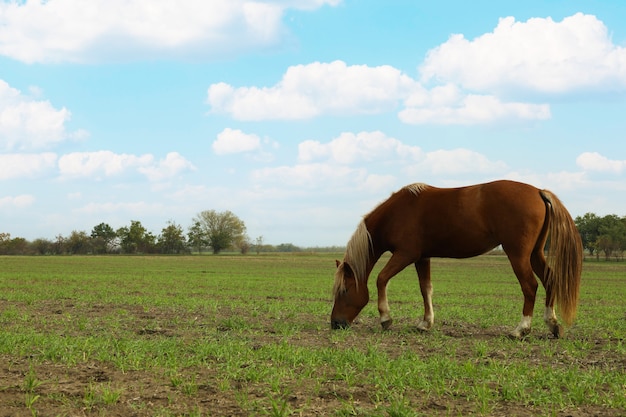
<point x="299" y="116"/>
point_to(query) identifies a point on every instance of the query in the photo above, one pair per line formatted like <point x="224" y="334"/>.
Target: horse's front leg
<point x="426" y="287"/>
<point x="383" y="304"/>
<point x="396" y="263"/>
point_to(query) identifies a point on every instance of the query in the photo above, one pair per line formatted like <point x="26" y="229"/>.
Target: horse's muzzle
<point x="339" y="324"/>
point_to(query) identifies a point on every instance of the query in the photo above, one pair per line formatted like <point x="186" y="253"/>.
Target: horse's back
<point x="489" y="202"/>
<point x="465" y="221"/>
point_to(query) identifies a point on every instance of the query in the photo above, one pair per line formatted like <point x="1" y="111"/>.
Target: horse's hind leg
<point x="426" y="287"/>
<point x="538" y="262"/>
<point x="524" y="272"/>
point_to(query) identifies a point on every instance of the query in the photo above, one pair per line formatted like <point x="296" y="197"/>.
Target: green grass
<point x="249" y="335"/>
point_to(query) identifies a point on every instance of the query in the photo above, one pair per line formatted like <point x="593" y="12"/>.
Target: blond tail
<point x="564" y="258"/>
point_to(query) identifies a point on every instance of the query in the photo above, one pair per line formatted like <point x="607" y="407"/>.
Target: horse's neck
<point x="371" y="262"/>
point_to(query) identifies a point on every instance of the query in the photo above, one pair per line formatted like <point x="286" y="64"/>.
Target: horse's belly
<point x="460" y="247"/>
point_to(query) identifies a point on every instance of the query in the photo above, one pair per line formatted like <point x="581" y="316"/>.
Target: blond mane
<point x="357" y="256"/>
<point x="416" y="188"/>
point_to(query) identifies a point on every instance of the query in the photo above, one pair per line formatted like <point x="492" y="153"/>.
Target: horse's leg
<point x="524" y="273"/>
<point x="396" y="263"/>
<point x="538" y="261"/>
<point x="426" y="287"/>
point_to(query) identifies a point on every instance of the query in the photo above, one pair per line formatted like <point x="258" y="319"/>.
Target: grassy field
<point x="249" y="335"/>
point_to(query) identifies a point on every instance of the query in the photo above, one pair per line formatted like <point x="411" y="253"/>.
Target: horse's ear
<point x="347" y="269"/>
<point x="338" y="262"/>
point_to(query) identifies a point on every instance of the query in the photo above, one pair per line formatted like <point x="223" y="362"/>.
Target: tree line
<point x="209" y="231"/>
<point x="218" y="231"/>
<point x="603" y="235"/>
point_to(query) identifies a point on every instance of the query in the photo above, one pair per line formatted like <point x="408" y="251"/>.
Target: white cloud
<point x="470" y="81"/>
<point x="376" y="183"/>
<point x="19" y="201"/>
<point x="173" y="164"/>
<point x="317" y="89"/>
<point x="96" y="30"/>
<point x="564" y="180"/>
<point x="471" y="77"/>
<point x="354" y="161"/>
<point x="133" y="208"/>
<point x="593" y="161"/>
<point x="336" y="165"/>
<point x="108" y="164"/>
<point x="235" y="141"/>
<point x="306" y="91"/>
<point x="100" y="163"/>
<point x="349" y="148"/>
<point x="27" y="123"/>
<point x="458" y="161"/>
<point x="314" y="175"/>
<point x="539" y="54"/>
<point x="472" y="109"/>
<point x="24" y="165"/>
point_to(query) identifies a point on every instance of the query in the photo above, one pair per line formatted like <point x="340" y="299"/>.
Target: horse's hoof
<point x="519" y="334"/>
<point x="424" y="326"/>
<point x="557" y="331"/>
<point x="386" y="324"/>
<point x="339" y="324"/>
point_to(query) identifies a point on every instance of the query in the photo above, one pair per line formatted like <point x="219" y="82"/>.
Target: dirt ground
<point x="73" y="391"/>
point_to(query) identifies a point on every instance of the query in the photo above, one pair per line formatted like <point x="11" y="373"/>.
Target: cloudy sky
<point x="300" y="115"/>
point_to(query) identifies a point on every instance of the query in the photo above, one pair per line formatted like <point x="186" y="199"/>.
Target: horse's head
<point x="350" y="297"/>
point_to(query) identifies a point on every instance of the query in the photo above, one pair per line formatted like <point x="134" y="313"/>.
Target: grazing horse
<point x="420" y="222"/>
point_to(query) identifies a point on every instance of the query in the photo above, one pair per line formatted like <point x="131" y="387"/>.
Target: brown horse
<point x="420" y="222"/>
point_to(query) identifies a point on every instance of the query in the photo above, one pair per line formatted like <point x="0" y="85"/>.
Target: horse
<point x="420" y="222"/>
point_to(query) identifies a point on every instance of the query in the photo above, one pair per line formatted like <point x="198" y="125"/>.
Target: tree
<point x="602" y="234"/>
<point x="258" y="244"/>
<point x="195" y="236"/>
<point x="41" y="246"/>
<point x="172" y="240"/>
<point x="59" y="245"/>
<point x="612" y="236"/>
<point x="244" y="244"/>
<point x="78" y="243"/>
<point x="5" y="241"/>
<point x="589" y="228"/>
<point x="136" y="238"/>
<point x="18" y="246"/>
<point x="287" y="247"/>
<point x="221" y="230"/>
<point x="13" y="246"/>
<point x="103" y="237"/>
